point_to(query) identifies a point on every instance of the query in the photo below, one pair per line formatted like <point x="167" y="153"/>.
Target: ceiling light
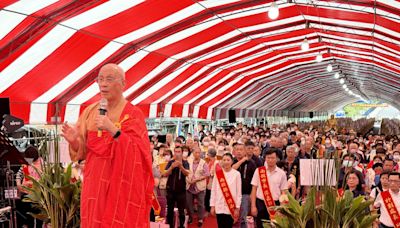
<point x="347" y="89"/>
<point x="273" y="12"/>
<point x="344" y="86"/>
<point x="305" y="45"/>
<point x="350" y="92"/>
<point x="341" y="81"/>
<point x="319" y="57"/>
<point x="329" y="68"/>
<point x="337" y="75"/>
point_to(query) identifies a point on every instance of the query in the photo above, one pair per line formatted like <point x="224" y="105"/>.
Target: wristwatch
<point x="117" y="134"/>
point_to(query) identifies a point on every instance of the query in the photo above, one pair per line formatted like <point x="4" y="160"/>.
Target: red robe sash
<point x="391" y="208"/>
<point x="269" y="201"/>
<point x="156" y="205"/>
<point x="225" y="190"/>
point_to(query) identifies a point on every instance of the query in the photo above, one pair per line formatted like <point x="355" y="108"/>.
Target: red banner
<point x="269" y="201"/>
<point x="225" y="190"/>
<point x="391" y="208"/>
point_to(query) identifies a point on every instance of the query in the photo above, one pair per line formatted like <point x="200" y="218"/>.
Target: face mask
<point x="221" y="148"/>
<point x="328" y="141"/>
<point x="347" y="163"/>
<point x="353" y="151"/>
<point x="167" y="157"/>
<point x="185" y="154"/>
<point x="396" y="157"/>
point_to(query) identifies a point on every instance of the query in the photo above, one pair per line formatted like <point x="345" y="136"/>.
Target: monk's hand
<point x="104" y="123"/>
<point x="70" y="133"/>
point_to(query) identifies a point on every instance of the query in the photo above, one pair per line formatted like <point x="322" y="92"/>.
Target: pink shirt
<point x="277" y="182"/>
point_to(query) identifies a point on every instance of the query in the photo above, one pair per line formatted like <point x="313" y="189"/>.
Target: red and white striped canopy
<point x="186" y="58"/>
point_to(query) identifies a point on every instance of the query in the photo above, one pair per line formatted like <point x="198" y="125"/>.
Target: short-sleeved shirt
<point x="277" y="183"/>
<point x="177" y="180"/>
<point x="385" y="217"/>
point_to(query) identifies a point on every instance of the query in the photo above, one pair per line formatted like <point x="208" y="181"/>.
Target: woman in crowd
<point x="354" y="184"/>
<point x="383" y="185"/>
<point x="226" y="206"/>
<point x="166" y="157"/>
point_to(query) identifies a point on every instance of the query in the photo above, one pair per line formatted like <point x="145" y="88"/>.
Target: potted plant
<point x="55" y="194"/>
<point x="323" y="207"/>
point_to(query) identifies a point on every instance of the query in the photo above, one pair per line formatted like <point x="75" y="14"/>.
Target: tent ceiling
<point x="191" y="58"/>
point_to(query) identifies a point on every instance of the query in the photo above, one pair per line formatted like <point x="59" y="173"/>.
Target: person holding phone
<point x="176" y="170"/>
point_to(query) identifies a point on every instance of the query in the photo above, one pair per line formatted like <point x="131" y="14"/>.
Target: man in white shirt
<point x="385" y="218"/>
<point x="277" y="182"/>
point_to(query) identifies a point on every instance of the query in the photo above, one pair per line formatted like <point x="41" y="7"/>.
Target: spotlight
<point x="329" y="68"/>
<point x="341" y="81"/>
<point x="344" y="86"/>
<point x="273" y="11"/>
<point x="337" y="75"/>
<point x="305" y="45"/>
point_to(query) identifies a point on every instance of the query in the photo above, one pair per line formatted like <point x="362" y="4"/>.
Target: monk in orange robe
<point x="118" y="180"/>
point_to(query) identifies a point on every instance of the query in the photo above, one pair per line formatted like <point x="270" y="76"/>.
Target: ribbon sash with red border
<point x="269" y="201"/>
<point x="391" y="208"/>
<point x="226" y="192"/>
<point x="155" y="204"/>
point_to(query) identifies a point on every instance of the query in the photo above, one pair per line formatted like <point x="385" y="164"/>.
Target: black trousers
<point x="224" y="221"/>
<point x="384" y="226"/>
<point x="152" y="215"/>
<point x="180" y="199"/>
<point x="207" y="200"/>
<point x="262" y="212"/>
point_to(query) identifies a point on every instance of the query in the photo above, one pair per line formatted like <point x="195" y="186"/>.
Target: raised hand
<point x="71" y="134"/>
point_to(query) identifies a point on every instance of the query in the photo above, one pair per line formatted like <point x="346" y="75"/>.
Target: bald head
<point x="111" y="82"/>
<point x="114" y="69"/>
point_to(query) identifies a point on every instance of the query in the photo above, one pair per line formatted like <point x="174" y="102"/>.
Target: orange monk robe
<point x="117" y="190"/>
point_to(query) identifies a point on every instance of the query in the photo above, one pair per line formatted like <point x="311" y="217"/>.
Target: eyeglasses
<point x="106" y="79"/>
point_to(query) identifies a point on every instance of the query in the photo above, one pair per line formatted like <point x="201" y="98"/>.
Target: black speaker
<point x="4" y="108"/>
<point x="311" y="115"/>
<point x="232" y="116"/>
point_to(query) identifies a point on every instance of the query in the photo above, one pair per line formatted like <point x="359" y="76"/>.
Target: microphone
<point x="102" y="110"/>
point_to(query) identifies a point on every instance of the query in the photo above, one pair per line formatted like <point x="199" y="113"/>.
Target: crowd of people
<point x="243" y="171"/>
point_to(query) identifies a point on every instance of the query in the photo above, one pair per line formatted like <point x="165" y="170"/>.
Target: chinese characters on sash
<point x="226" y="191"/>
<point x="269" y="201"/>
<point x="391" y="208"/>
